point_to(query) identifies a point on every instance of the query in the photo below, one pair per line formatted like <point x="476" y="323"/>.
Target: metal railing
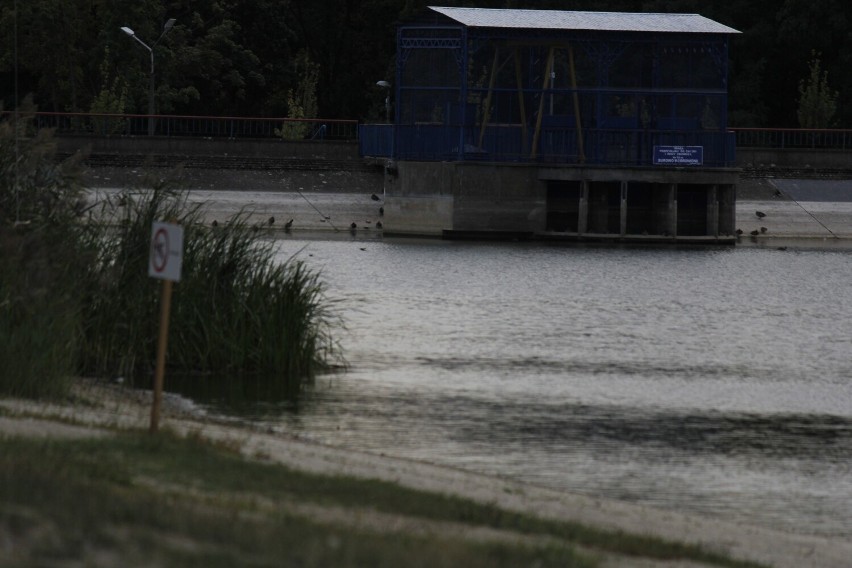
<point x="793" y="138"/>
<point x="195" y="126"/>
<point x="509" y="143"/>
<point x="232" y="127"/>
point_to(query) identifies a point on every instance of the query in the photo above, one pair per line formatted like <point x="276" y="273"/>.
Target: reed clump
<point x="39" y="311"/>
<point x="236" y="312"/>
<point x="75" y="296"/>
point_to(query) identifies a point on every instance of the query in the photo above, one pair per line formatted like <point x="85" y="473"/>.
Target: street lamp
<point x="131" y="33"/>
<point x="386" y="85"/>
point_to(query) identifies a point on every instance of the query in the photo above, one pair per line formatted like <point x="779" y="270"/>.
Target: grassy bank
<point x="137" y="499"/>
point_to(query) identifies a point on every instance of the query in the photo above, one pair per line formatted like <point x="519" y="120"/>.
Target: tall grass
<point x="38" y="318"/>
<point x="237" y="313"/>
<point x="75" y="296"/>
<point x="39" y="304"/>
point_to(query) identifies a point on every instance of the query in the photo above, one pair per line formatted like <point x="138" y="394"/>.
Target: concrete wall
<point x="436" y="198"/>
<point x="498" y="198"/>
<point x="418" y="199"/>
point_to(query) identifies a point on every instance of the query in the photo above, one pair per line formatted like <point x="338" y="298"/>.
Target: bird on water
<point x="288" y="224"/>
<point x="763" y="229"/>
<point x="375" y="197"/>
<point x="754" y="233"/>
<point x="271" y="220"/>
<point x="760" y="214"/>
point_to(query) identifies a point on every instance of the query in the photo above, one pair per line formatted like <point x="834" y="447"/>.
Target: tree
<point x="817" y="101"/>
<point x="301" y="101"/>
<point x="112" y="99"/>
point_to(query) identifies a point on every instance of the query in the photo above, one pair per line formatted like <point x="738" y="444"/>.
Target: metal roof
<point x="589" y="21"/>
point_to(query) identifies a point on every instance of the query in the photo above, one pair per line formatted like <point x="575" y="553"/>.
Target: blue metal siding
<point x="556" y="95"/>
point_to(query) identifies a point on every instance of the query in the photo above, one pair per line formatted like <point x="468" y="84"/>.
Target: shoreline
<point x="109" y="408"/>
<point x="324" y="203"/>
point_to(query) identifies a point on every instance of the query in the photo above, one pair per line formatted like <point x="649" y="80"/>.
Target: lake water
<point x="708" y="380"/>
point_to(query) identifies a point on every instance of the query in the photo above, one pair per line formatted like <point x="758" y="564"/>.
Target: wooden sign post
<point x="164" y="263"/>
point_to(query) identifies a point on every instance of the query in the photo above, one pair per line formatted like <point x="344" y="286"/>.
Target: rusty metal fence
<point x="793" y="138"/>
<point x="230" y="127"/>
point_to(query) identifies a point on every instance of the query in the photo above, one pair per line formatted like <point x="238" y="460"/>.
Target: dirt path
<point x="101" y="408"/>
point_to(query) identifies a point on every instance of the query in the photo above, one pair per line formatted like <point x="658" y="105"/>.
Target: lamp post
<point x="131" y="33"/>
<point x="385" y="85"/>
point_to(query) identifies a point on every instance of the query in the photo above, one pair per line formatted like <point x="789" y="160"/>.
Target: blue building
<point x="559" y="124"/>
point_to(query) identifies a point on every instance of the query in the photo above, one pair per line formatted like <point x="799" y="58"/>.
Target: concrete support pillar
<point x="673" y="209"/>
<point x="713" y="211"/>
<point x="583" y="215"/>
<point x="623" y="225"/>
<point x="598" y="209"/>
<point x="727" y="209"/>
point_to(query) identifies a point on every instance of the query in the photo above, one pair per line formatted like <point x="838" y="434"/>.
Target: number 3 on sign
<point x="166" y="255"/>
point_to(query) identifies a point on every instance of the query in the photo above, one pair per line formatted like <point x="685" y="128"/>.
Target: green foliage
<point x="39" y="203"/>
<point x="111" y="99"/>
<point x="34" y="187"/>
<point x="301" y="101"/>
<point x="38" y="315"/>
<point x="236" y="313"/>
<point x="227" y="58"/>
<point x="76" y="297"/>
<point x="817" y="101"/>
<point x="204" y="66"/>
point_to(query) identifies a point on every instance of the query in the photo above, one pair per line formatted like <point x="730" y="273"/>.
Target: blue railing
<point x="509" y="143"/>
<point x="194" y="126"/>
<point x="429" y="141"/>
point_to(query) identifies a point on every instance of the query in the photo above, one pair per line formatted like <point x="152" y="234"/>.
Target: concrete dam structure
<point x="458" y="200"/>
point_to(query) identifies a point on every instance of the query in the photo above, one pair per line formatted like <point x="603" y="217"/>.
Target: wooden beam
<point x="537" y="134"/>
<point x="581" y="156"/>
<point x="487" y="111"/>
<point x="523" y="108"/>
